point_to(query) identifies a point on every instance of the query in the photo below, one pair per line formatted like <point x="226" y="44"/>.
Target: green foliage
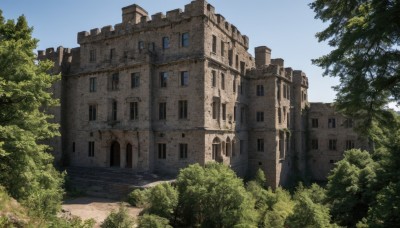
<point x="73" y="222"/>
<point x="260" y="178"/>
<point x="153" y="221"/>
<point x="118" y="219"/>
<point x="138" y="197"/>
<point x="213" y="196"/>
<point x="349" y="187"/>
<point x="26" y="169"/>
<point x="162" y="199"/>
<point x="366" y="56"/>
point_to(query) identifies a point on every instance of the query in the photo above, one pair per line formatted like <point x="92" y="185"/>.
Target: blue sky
<point x="287" y="27"/>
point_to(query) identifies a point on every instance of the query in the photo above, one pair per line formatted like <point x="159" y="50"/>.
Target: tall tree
<point x="365" y="36"/>
<point x="26" y="169"/>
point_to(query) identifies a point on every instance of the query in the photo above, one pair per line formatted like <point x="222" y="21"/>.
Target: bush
<point x="118" y="219"/>
<point x="153" y="221"/>
<point x="138" y="197"/>
<point x="163" y="200"/>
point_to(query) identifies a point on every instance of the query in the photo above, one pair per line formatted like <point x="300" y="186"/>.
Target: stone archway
<point x="129" y="156"/>
<point x="115" y="154"/>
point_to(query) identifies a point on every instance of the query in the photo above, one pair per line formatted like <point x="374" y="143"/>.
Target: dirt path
<point x="95" y="208"/>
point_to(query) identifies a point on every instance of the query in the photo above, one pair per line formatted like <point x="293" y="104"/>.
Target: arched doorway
<point x="128" y="155"/>
<point x="115" y="154"/>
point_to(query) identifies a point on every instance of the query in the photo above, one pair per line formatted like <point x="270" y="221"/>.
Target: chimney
<point x="263" y="56"/>
<point x="133" y="13"/>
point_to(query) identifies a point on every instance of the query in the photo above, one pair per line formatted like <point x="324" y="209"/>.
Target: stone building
<point x="155" y="94"/>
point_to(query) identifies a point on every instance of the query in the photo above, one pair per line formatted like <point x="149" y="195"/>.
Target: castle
<point x="155" y="95"/>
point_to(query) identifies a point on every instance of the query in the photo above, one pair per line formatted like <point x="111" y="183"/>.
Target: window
<point x="223" y="111"/>
<point x="140" y="45"/>
<point x="165" y="42"/>
<point x="242" y="67"/>
<point x="279" y="115"/>
<point x="234" y="113"/>
<point x="91" y="149"/>
<point x="114" y="81"/>
<point x="134" y="111"/>
<point x="135" y="80"/>
<point x="214" y="78"/>
<point x="112" y="53"/>
<point x="214" y="110"/>
<point x="332" y="144"/>
<point x="260" y="116"/>
<point x="234" y="86"/>
<point x="314" y="144"/>
<point x="331" y="123"/>
<point x="163" y="79"/>
<point x="92" y="112"/>
<point x="114" y="111"/>
<point x="73" y="146"/>
<point x="184" y="78"/>
<point x="183" y="107"/>
<point x="222" y="48"/>
<point x="260" y="145"/>
<point x="230" y="56"/>
<point x="314" y="123"/>
<point x="162" y="111"/>
<point x="92" y="55"/>
<point x="183" y="149"/>
<point x="222" y="81"/>
<point x="162" y="151"/>
<point x="185" y="39"/>
<point x="237" y="61"/>
<point x="349" y="144"/>
<point x="260" y="90"/>
<point x="242" y="113"/>
<point x="92" y="86"/>
<point x="348" y="123"/>
<point x="284" y="90"/>
<point x="214" y="44"/>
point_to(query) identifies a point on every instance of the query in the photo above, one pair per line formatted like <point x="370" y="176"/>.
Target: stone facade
<point x="158" y="94"/>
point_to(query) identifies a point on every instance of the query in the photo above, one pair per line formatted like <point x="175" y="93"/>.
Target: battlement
<point x="62" y="58"/>
<point x="135" y="18"/>
<point x="299" y="77"/>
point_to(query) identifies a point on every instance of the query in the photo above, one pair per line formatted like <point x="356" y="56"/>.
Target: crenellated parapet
<point x="62" y="57"/>
<point x="135" y="19"/>
<point x="300" y="78"/>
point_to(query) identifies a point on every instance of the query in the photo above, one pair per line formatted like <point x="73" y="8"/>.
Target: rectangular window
<point x="279" y="115"/>
<point x="331" y="123"/>
<point x="234" y="85"/>
<point x="162" y="151"/>
<point x="184" y="78"/>
<point x="162" y="111"/>
<point x="92" y="112"/>
<point x="260" y="116"/>
<point x="214" y="110"/>
<point x="112" y="53"/>
<point x="163" y="79"/>
<point x="314" y="123"/>
<point x="260" y="145"/>
<point x="222" y="81"/>
<point x="140" y="45"/>
<point x="237" y="61"/>
<point x="260" y="90"/>
<point x="223" y="111"/>
<point x="93" y="85"/>
<point x="230" y="57"/>
<point x="242" y="67"/>
<point x="92" y="55"/>
<point x="183" y="151"/>
<point x="134" y="111"/>
<point x="222" y="48"/>
<point x="214" y="44"/>
<point x="348" y="123"/>
<point x="185" y="39"/>
<point x="135" y="80"/>
<point x="165" y="42"/>
<point x="114" y="81"/>
<point x="214" y="78"/>
<point x="349" y="144"/>
<point x="314" y="144"/>
<point x="183" y="107"/>
<point x="234" y="113"/>
<point x="114" y="111"/>
<point x="332" y="144"/>
<point x="91" y="149"/>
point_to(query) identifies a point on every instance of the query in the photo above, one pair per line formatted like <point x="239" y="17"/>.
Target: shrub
<point x="153" y="221"/>
<point x="138" y="197"/>
<point x="118" y="219"/>
<point x="163" y="199"/>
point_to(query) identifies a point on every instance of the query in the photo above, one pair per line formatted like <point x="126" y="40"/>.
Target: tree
<point x="162" y="200"/>
<point x="153" y="221"/>
<point x="118" y="219"/>
<point x="365" y="36"/>
<point x="26" y="169"/>
<point x="213" y="196"/>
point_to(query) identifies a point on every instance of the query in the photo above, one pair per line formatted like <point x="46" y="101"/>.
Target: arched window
<point x="216" y="147"/>
<point x="228" y="147"/>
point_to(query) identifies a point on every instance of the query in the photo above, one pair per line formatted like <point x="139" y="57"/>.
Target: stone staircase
<point x="113" y="183"/>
